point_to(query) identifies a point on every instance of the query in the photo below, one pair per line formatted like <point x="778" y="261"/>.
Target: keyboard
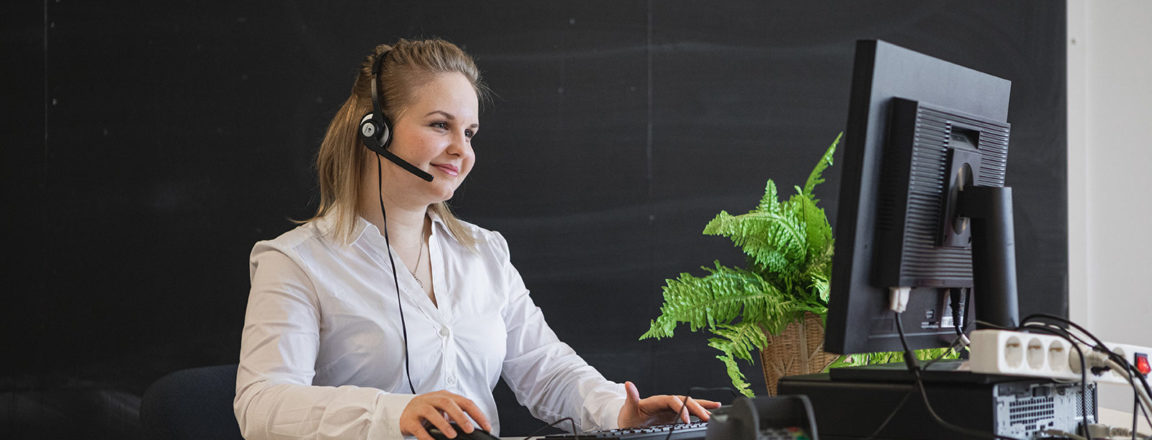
<point x="680" y="431"/>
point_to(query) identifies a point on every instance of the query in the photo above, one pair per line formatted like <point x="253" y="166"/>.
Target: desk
<point x="1114" y="417"/>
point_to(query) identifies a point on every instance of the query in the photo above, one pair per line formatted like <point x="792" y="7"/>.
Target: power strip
<point x="1015" y="353"/>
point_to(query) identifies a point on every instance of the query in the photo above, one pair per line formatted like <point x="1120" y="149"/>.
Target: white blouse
<point x="322" y="351"/>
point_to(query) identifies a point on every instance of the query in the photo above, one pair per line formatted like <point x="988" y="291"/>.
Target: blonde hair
<point x="341" y="164"/>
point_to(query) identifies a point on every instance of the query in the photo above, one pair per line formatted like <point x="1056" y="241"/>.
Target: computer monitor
<point x="923" y="210"/>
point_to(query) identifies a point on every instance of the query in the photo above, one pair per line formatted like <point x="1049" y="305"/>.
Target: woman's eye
<point x="440" y="125"/>
<point x="469" y="133"/>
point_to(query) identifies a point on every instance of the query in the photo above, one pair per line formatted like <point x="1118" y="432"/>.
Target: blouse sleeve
<point x="275" y="398"/>
<point x="546" y="375"/>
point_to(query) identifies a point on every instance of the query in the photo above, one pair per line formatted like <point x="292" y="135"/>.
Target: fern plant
<point x="788" y="245"/>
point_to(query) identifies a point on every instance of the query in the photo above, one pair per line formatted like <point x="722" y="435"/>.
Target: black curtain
<point x="148" y="145"/>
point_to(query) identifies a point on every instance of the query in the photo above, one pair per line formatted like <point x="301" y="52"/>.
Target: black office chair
<point x="192" y="404"/>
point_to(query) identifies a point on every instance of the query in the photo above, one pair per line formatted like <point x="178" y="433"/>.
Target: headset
<point x="376" y="134"/>
<point x="376" y="129"/>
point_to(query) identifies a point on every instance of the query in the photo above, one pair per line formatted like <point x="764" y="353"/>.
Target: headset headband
<point x="378" y="114"/>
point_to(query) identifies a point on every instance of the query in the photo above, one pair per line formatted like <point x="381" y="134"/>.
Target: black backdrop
<point x="147" y="145"/>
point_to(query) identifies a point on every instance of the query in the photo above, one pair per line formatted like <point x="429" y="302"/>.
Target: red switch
<point x="1142" y="364"/>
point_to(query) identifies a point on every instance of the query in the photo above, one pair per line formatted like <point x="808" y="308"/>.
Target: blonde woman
<point x="384" y="315"/>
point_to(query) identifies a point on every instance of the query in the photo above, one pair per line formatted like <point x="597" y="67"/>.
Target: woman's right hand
<point x="437" y="408"/>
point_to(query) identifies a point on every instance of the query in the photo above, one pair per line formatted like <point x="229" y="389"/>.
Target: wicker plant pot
<point x="799" y="349"/>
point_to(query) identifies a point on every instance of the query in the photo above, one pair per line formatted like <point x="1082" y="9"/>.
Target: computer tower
<point x="852" y="405"/>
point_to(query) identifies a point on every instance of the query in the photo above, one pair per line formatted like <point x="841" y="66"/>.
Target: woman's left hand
<point x="660" y="409"/>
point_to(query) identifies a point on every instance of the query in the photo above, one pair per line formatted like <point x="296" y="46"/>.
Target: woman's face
<point x="434" y="133"/>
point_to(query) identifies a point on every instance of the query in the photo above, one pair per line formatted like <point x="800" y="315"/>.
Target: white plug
<point x="898" y="298"/>
<point x="1092" y="359"/>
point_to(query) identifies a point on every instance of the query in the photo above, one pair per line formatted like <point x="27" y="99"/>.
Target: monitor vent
<point x="923" y="261"/>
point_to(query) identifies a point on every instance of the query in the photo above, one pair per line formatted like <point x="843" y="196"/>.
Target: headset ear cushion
<point x="373" y="134"/>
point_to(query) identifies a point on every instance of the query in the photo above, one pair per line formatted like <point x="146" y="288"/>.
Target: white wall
<point x="1110" y="173"/>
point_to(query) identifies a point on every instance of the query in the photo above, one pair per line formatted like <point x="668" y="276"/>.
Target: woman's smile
<point x="448" y="169"/>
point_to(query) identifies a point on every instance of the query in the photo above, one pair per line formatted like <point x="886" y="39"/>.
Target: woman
<point x="339" y="343"/>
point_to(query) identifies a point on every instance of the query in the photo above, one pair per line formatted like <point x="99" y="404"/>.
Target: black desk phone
<point x="764" y="418"/>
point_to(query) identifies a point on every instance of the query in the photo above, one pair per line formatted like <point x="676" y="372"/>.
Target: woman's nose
<point x="459" y="144"/>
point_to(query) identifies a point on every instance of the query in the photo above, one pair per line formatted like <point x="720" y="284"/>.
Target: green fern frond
<point x="819" y="232"/>
<point x="819" y="287"/>
<point x="737" y="378"/>
<point x="817" y="175"/>
<point x="770" y="202"/>
<point x="819" y="268"/>
<point x="739" y="340"/>
<point x="721" y="297"/>
<point x="774" y="239"/>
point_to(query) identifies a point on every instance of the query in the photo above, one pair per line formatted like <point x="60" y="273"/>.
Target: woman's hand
<point x="437" y="408"/>
<point x="661" y="409"/>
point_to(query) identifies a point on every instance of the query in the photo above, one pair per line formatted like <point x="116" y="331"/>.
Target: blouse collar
<point x="362" y="227"/>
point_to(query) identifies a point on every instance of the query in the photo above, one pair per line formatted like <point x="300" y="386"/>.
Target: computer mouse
<point x="476" y="434"/>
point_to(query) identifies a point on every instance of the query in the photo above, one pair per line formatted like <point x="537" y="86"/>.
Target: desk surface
<point x="1115" y="417"/>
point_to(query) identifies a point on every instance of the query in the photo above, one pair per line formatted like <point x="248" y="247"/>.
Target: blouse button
<point x="451" y="380"/>
<point x="444" y="332"/>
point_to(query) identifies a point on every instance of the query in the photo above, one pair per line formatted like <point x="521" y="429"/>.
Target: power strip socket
<point x="1015" y="353"/>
